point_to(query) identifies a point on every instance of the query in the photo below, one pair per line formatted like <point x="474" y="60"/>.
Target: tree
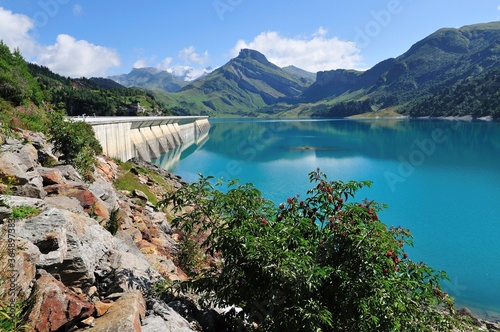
<point x="325" y="263"/>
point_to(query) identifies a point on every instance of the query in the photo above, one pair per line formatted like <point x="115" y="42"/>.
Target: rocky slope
<point x="73" y="272"/>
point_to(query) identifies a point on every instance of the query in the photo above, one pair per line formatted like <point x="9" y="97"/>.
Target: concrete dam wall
<point x="146" y="137"/>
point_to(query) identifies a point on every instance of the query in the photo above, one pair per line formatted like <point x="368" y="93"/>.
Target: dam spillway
<point x="146" y="137"/>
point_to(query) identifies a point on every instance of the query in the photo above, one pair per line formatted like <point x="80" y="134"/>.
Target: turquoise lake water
<point x="439" y="178"/>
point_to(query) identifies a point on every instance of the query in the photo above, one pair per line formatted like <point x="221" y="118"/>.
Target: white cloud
<point x="68" y="56"/>
<point x="14" y="31"/>
<point x="189" y="55"/>
<point x="141" y="63"/>
<point x="314" y="53"/>
<point x="165" y="64"/>
<point x="76" y="58"/>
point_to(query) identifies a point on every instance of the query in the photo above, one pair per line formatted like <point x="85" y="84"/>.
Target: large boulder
<point x="170" y="319"/>
<point x="71" y="244"/>
<point x="16" y="178"/>
<point x="75" y="248"/>
<point x="55" y="306"/>
<point x="125" y="269"/>
<point x="125" y="315"/>
<point x="89" y="202"/>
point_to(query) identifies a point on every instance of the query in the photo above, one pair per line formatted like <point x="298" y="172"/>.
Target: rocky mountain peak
<point x="246" y="53"/>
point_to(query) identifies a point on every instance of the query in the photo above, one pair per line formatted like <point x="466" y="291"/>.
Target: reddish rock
<point x="51" y="176"/>
<point x="182" y="275"/>
<point x="107" y="168"/>
<point x="89" y="202"/>
<point x="101" y="307"/>
<point x="56" y="306"/>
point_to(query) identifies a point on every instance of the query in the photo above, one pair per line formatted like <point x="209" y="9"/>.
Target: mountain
<point x="306" y="76"/>
<point x="246" y="86"/>
<point x="151" y="78"/>
<point x="99" y="96"/>
<point x="450" y="63"/>
<point x="446" y="58"/>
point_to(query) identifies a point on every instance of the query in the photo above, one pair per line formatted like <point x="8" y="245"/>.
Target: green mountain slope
<point x="446" y="59"/>
<point x="245" y="86"/>
<point x="303" y="75"/>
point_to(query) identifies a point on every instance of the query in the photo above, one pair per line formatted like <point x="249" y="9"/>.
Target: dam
<point x="147" y="137"/>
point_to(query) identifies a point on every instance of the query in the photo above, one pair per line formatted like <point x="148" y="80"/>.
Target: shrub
<point x="76" y="143"/>
<point x="114" y="221"/>
<point x="323" y="263"/>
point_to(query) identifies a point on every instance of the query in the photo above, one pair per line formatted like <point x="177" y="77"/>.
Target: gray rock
<point x="11" y="166"/>
<point x="71" y="245"/>
<point x="24" y="183"/>
<point x="28" y="154"/>
<point x="172" y="319"/>
<point x="26" y="256"/>
<point x="140" y="194"/>
<point x="154" y="324"/>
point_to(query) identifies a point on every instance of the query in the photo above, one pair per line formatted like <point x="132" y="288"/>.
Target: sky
<point x="86" y="38"/>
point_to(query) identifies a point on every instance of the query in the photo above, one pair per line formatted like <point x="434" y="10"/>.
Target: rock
<point x="51" y="176"/>
<point x="101" y="307"/>
<point x="70" y="173"/>
<point x="126" y="269"/>
<point x="28" y="155"/>
<point x="131" y="272"/>
<point x="172" y="320"/>
<point x="71" y="245"/>
<point x="88" y="321"/>
<point x="55" y="306"/>
<point x="91" y="291"/>
<point x="154" y="324"/>
<point x="492" y="326"/>
<point x="65" y="203"/>
<point x="25" y="258"/>
<point x="140" y="194"/>
<point x="186" y="309"/>
<point x="465" y="312"/>
<point x="89" y="202"/>
<point x="124" y="315"/>
<point x="105" y="192"/>
<point x="106" y="168"/>
<point x="7" y="202"/>
<point x="162" y="224"/>
<point x="134" y="233"/>
<point x="14" y="173"/>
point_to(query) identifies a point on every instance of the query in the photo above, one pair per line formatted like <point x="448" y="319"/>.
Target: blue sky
<point x="99" y="38"/>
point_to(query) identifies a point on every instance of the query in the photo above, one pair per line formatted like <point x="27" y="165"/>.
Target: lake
<point x="439" y="178"/>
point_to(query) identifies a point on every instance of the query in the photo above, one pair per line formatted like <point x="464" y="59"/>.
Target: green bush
<point x="325" y="263"/>
<point x="23" y="211"/>
<point x="75" y="141"/>
<point x="114" y="221"/>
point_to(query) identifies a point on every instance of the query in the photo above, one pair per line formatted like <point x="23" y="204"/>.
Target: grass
<point x="23" y="211"/>
<point x="129" y="181"/>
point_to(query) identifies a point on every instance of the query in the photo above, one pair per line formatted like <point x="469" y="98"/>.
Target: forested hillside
<point x="36" y="88"/>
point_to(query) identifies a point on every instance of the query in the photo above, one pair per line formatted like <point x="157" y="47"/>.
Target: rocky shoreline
<point x="74" y="273"/>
